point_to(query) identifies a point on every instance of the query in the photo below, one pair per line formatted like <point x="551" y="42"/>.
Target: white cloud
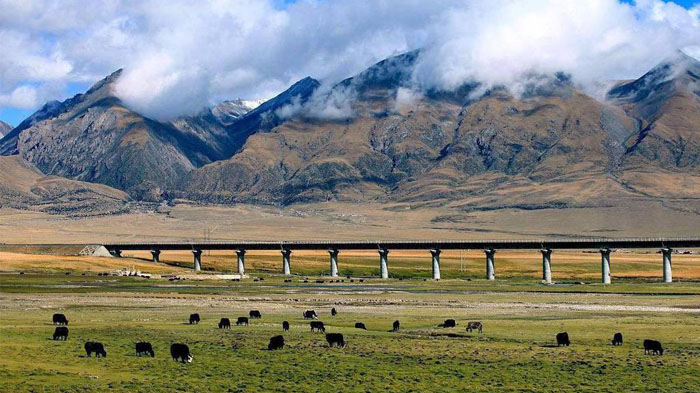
<point x="406" y="99"/>
<point x="180" y="55"/>
<point x="327" y="102"/>
<point x="497" y="42"/>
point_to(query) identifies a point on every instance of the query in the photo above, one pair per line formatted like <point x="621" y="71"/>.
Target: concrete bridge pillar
<point x="334" y="261"/>
<point x="197" y="259"/>
<point x="546" y="265"/>
<point x="605" y="264"/>
<point x="435" y="252"/>
<point x="156" y="255"/>
<point x="384" y="263"/>
<point x="286" y="266"/>
<point x="241" y="261"/>
<point x="490" y="265"/>
<point x="668" y="274"/>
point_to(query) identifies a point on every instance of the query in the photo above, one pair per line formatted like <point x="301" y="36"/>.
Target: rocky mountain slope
<point x="94" y="137"/>
<point x="552" y="147"/>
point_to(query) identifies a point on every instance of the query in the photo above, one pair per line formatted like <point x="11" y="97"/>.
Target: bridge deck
<point x="586" y="243"/>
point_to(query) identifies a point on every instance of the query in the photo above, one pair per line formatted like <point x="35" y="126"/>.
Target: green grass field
<point x="516" y="352"/>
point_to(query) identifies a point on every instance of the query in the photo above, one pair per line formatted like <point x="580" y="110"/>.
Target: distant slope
<point x="23" y="186"/>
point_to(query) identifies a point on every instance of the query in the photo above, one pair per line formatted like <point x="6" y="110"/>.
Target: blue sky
<point x="190" y="55"/>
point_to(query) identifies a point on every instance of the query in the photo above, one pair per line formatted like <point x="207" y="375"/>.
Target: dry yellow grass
<point x="12" y="262"/>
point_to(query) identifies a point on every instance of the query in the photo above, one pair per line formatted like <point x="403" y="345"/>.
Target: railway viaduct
<point x="545" y="246"/>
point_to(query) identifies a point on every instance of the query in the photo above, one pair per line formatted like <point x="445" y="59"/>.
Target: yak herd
<point x="181" y="352"/>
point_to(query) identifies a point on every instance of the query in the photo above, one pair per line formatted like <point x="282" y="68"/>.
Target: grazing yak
<point x="395" y="326"/>
<point x="144" y="348"/>
<point x="309" y="314"/>
<point x="285" y="326"/>
<point x="333" y="312"/>
<point x="617" y="339"/>
<point x="181" y="352"/>
<point x="449" y="323"/>
<point x="59" y="319"/>
<point x="360" y="325"/>
<point x="194" y="318"/>
<point x="254" y="314"/>
<point x="471" y="326"/>
<point x="225" y="323"/>
<point x="61" y="332"/>
<point x="318" y="325"/>
<point x="335" y="339"/>
<point x="563" y="339"/>
<point x="276" y="342"/>
<point x="653" y="347"/>
<point x="95" y="347"/>
<point x="242" y="321"/>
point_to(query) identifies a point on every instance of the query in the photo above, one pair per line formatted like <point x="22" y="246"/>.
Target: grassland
<point x="516" y="352"/>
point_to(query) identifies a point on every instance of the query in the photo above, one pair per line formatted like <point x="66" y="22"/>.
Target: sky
<point x="180" y="56"/>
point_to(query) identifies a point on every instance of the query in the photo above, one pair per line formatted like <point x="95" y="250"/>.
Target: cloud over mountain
<point x="179" y="55"/>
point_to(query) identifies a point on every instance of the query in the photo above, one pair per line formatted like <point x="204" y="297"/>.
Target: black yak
<point x="449" y="323"/>
<point x="335" y="339"/>
<point x="617" y="339"/>
<point x="59" y="319"/>
<point x="61" y="332"/>
<point x="194" y="318"/>
<point x="95" y="347"/>
<point x="144" y="348"/>
<point x="276" y="342"/>
<point x="563" y="339"/>
<point x="318" y="325"/>
<point x="653" y="347"/>
<point x="181" y="352"/>
<point x="225" y="323"/>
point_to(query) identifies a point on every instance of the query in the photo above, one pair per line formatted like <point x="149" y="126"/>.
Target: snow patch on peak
<point x="229" y="111"/>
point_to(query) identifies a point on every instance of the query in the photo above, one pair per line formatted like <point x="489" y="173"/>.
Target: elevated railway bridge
<point x="489" y="247"/>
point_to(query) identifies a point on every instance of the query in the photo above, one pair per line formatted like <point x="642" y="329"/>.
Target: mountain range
<point x="553" y="146"/>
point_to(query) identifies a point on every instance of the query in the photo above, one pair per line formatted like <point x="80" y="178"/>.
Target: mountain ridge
<point x="554" y="145"/>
